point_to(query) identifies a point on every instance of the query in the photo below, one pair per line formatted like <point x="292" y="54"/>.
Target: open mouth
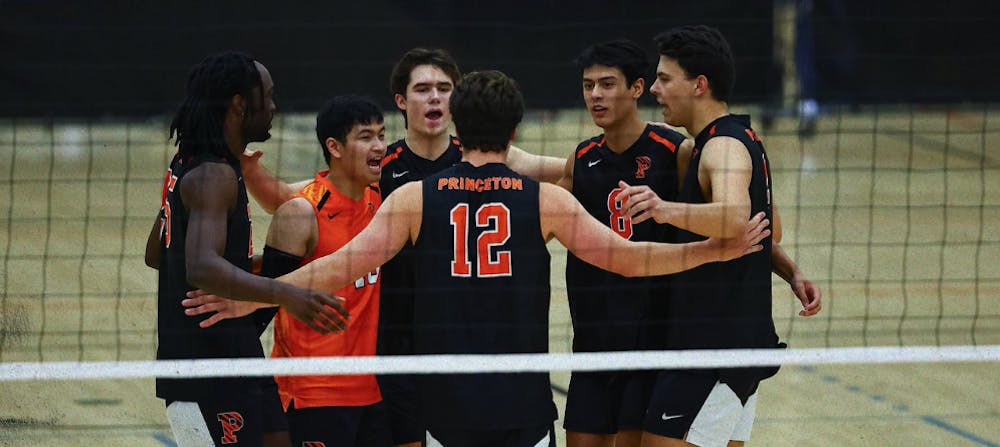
<point x="375" y="164"/>
<point x="598" y="109"/>
<point x="434" y="115"/>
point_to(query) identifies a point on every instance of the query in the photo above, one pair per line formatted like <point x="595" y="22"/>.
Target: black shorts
<point x="607" y="402"/>
<point x="237" y="416"/>
<point x="273" y="413"/>
<point x="517" y="437"/>
<point x="339" y="426"/>
<point x="399" y="394"/>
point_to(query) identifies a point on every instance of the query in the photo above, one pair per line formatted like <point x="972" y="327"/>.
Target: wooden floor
<point x="893" y="211"/>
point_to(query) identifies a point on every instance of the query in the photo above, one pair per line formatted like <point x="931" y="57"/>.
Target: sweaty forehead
<point x="428" y="74"/>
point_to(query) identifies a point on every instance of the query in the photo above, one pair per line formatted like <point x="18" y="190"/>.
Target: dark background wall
<point x="131" y="58"/>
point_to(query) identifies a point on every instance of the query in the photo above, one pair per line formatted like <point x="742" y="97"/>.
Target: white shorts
<point x="188" y="425"/>
<point x="699" y="409"/>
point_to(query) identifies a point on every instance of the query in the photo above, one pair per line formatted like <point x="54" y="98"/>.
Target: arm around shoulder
<point x="396" y="222"/>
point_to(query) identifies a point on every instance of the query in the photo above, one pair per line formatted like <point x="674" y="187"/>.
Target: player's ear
<point x="700" y="85"/>
<point x="334" y="147"/>
<point x="400" y="101"/>
<point x="238" y="105"/>
<point x="637" y="87"/>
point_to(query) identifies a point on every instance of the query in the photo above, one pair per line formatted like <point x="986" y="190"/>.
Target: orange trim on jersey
<point x="753" y="135"/>
<point x="339" y="220"/>
<point x="712" y="130"/>
<point x="392" y="156"/>
<point x="663" y="141"/>
<point x="583" y="151"/>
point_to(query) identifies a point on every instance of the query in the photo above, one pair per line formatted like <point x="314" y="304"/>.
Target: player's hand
<point x="639" y="203"/>
<point x="199" y="302"/>
<point x="749" y="242"/>
<point x="808" y="294"/>
<point x="323" y="312"/>
<point x="251" y="155"/>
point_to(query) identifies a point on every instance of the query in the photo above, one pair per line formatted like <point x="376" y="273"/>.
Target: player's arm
<point x="684" y="151"/>
<point x="266" y="188"/>
<point x="209" y="192"/>
<point x="804" y="289"/>
<point x="292" y="236"/>
<point x="541" y="168"/>
<point x="396" y="222"/>
<point x="563" y="217"/>
<point x="153" y="242"/>
<point x="727" y="166"/>
<point x="566" y="182"/>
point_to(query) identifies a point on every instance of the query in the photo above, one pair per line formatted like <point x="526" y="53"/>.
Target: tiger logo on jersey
<point x="231" y="422"/>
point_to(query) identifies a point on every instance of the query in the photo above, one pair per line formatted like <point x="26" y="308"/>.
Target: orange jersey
<point x="340" y="219"/>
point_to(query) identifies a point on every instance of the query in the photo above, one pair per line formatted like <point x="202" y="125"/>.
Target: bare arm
<point x="293" y="230"/>
<point x="566" y="182"/>
<point x="538" y="167"/>
<point x="808" y="293"/>
<point x="209" y="192"/>
<point x="153" y="242"/>
<point x="724" y="174"/>
<point x="266" y="188"/>
<point x="396" y="222"/>
<point x="563" y="217"/>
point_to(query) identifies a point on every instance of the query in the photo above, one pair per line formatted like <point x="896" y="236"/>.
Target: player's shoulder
<point x="295" y="207"/>
<point x="393" y="152"/>
<point x="664" y="130"/>
<point x="206" y="172"/>
<point x="585" y="146"/>
<point x="664" y="136"/>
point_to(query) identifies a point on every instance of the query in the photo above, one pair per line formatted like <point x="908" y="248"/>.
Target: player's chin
<point x="373" y="173"/>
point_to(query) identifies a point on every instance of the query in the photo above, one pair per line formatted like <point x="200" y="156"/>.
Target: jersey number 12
<point x="495" y="217"/>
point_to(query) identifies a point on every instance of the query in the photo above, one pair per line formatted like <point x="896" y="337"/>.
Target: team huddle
<point x="436" y="244"/>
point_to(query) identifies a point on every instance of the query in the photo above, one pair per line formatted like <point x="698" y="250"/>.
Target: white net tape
<point x="428" y="364"/>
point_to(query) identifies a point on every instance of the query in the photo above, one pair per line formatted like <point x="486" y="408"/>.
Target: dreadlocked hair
<point x="197" y="127"/>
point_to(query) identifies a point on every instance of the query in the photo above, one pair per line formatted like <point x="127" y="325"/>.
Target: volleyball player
<point x="204" y="243"/>
<point x="341" y="410"/>
<point x="611" y="312"/>
<point x="719" y="305"/>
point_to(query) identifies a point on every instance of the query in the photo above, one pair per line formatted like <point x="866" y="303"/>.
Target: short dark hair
<point x="340" y="114"/>
<point x="701" y="50"/>
<point x="197" y="127"/>
<point x="400" y="76"/>
<point x="622" y="54"/>
<point x="486" y="107"/>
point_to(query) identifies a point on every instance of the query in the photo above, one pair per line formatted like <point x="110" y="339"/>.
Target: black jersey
<point x="179" y="336"/>
<point x="482" y="287"/>
<point x="399" y="167"/>
<point x="611" y="312"/>
<point x="726" y="304"/>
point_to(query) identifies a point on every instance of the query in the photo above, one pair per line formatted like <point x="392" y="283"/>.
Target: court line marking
<point x="164" y="439"/>
<point x="903" y="409"/>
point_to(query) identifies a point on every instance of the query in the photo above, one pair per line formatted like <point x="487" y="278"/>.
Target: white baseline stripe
<point x="478" y="363"/>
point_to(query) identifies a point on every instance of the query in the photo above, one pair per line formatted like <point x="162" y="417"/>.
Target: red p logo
<point x="231" y="422"/>
<point x="642" y="163"/>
